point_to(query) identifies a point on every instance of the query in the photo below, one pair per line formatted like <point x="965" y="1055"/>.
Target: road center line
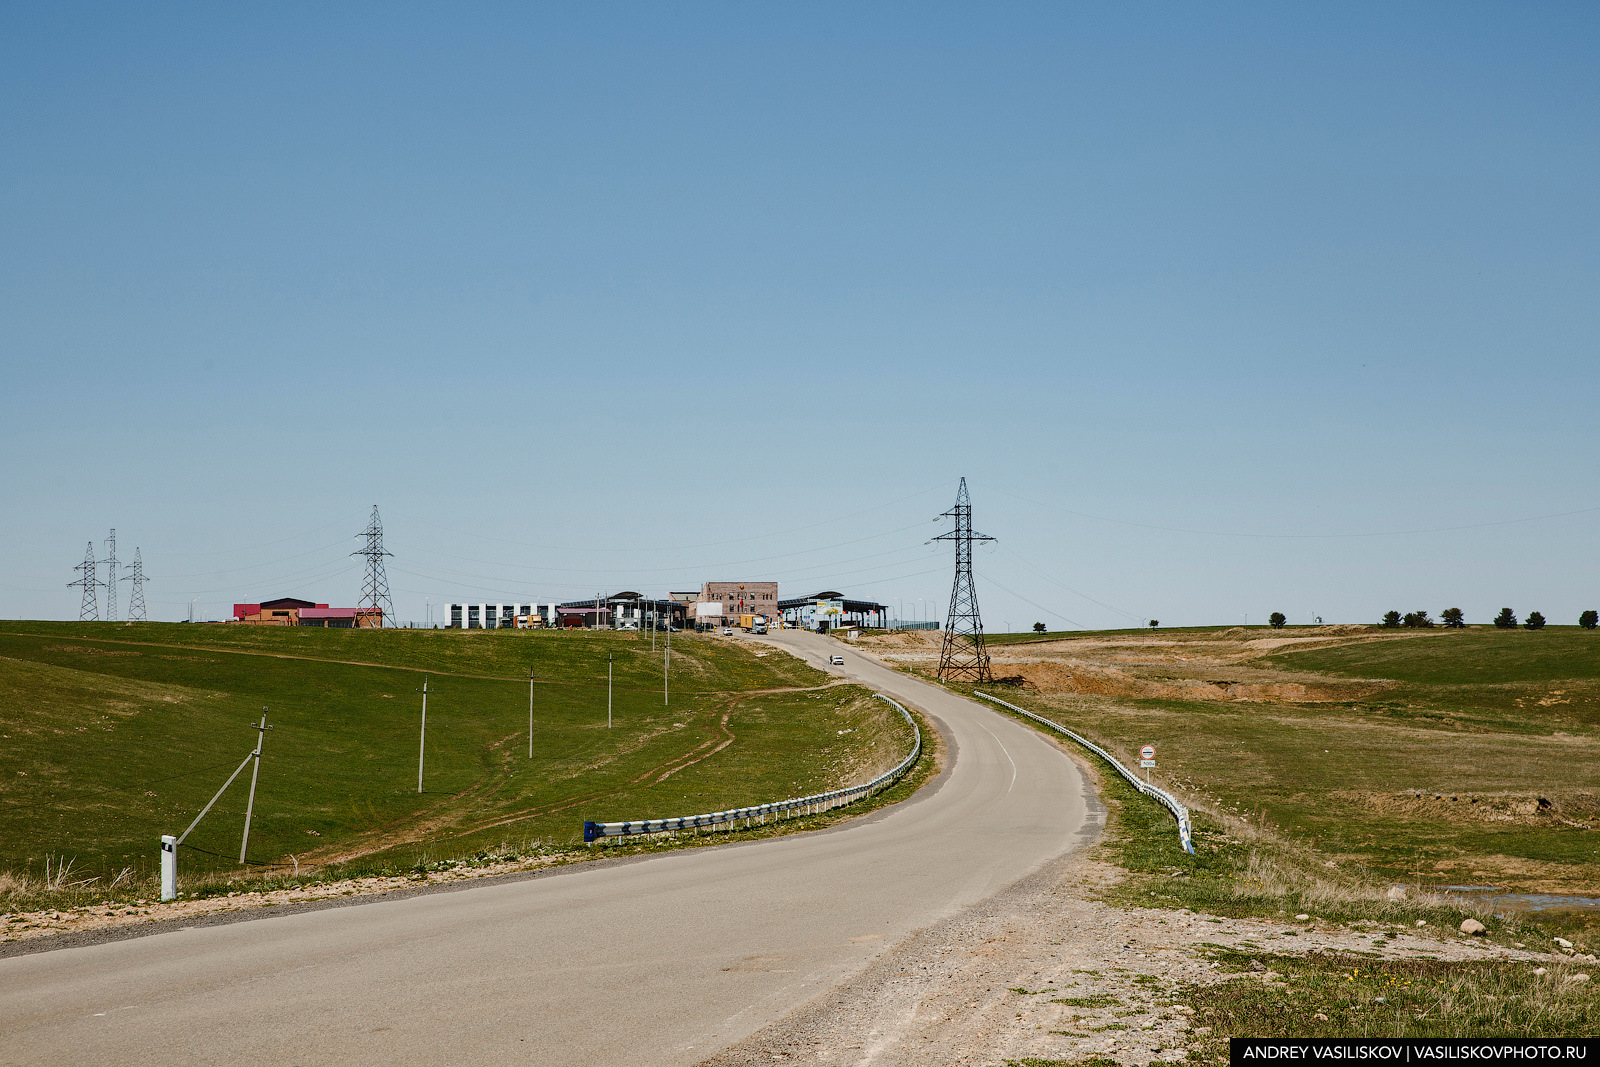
<point x="1009" y="760"/>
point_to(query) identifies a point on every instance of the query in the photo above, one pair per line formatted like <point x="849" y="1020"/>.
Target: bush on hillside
<point x="1277" y="619"/>
<point x="1418" y="620"/>
<point x="1535" y="621"/>
<point x="1589" y="619"/>
<point x="1391" y="620"/>
<point x="1038" y="627"/>
<point x="1453" y="618"/>
<point x="1155" y="622"/>
<point x="1506" y="620"/>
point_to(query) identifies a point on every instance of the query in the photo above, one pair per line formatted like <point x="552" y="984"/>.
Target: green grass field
<point x="113" y="735"/>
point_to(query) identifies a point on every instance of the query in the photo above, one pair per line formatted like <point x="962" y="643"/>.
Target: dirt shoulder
<point x="1045" y="970"/>
<point x="31" y="931"/>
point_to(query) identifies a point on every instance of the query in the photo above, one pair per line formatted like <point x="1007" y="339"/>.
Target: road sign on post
<point x="1147" y="759"/>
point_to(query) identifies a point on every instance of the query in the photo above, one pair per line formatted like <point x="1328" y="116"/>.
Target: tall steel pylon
<point x="963" y="656"/>
<point x="136" y="612"/>
<point x="375" y="586"/>
<point x="90" y="611"/>
<point x="111" y="577"/>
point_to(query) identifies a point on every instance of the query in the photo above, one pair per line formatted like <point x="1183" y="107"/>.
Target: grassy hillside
<point x="1433" y="757"/>
<point x="1461" y="657"/>
<point x="113" y="735"/>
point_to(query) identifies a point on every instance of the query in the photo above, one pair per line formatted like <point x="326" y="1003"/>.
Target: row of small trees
<point x="1453" y="618"/>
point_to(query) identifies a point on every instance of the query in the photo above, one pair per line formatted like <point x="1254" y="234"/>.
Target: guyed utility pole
<point x="169" y="844"/>
<point x="255" y="773"/>
<point x="422" y="743"/>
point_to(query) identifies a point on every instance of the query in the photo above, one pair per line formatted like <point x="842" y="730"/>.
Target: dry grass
<point x="1421" y="755"/>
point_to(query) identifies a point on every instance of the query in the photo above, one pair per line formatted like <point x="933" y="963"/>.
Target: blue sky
<point x="1221" y="309"/>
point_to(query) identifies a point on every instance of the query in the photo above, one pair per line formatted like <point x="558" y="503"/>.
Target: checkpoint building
<point x="721" y="603"/>
<point x="831" y="610"/>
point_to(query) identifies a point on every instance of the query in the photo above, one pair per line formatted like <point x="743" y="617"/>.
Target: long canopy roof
<point x="864" y="607"/>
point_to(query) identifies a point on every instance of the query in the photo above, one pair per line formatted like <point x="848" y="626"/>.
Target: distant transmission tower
<point x="111" y="577"/>
<point x="136" y="612"/>
<point x="375" y="587"/>
<point x="90" y="612"/>
<point x="963" y="656"/>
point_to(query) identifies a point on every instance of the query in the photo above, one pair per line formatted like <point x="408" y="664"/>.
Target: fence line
<point x="1171" y="803"/>
<point x="817" y="802"/>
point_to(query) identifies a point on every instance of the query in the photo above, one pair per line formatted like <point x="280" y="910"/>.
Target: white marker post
<point x="169" y="867"/>
<point x="530" y="712"/>
<point x="1147" y="759"/>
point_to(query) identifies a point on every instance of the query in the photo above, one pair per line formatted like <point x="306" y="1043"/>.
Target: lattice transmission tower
<point x="963" y="655"/>
<point x="90" y="611"/>
<point x="111" y="577"/>
<point x="375" y="586"/>
<point x="136" y="612"/>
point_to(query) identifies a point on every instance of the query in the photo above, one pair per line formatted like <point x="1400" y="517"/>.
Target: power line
<point x="268" y="544"/>
<point x="831" y="521"/>
<point x="257" y="566"/>
<point x="1041" y="607"/>
<point x="1040" y="574"/>
<point x="300" y="579"/>
<point x="676" y="568"/>
<point x="1297" y="537"/>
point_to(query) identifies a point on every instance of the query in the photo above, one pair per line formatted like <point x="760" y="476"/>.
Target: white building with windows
<point x="497" y="615"/>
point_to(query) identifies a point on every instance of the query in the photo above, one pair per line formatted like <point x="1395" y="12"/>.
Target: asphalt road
<point x="661" y="961"/>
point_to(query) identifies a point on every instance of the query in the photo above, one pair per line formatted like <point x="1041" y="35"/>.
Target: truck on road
<point x="756" y="624"/>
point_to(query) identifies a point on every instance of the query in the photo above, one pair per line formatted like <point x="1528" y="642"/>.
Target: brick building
<point x="721" y="603"/>
<point x="292" y="611"/>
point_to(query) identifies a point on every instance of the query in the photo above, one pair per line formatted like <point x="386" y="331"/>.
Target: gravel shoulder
<point x="1046" y="970"/>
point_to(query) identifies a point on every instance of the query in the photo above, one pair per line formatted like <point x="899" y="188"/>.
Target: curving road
<point x="664" y="960"/>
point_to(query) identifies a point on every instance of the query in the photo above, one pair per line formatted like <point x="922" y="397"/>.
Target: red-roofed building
<point x="344" y="618"/>
<point x="292" y="611"/>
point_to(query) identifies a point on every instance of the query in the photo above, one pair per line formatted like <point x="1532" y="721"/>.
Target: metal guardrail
<point x="1171" y="803"/>
<point x="817" y="802"/>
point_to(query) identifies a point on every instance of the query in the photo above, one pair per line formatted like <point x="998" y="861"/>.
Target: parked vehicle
<point x="837" y="661"/>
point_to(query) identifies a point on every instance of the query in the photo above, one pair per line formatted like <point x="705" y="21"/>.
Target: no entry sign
<point x="1147" y="752"/>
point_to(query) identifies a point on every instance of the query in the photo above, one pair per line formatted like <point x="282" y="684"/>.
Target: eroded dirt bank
<point x="1169" y="666"/>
